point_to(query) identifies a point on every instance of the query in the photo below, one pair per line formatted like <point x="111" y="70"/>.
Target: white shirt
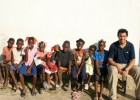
<point x="17" y="55"/>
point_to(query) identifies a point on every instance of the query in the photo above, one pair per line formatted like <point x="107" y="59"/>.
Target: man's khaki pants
<point x="113" y="80"/>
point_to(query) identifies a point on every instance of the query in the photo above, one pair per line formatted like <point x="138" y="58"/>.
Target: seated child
<point x="6" y="63"/>
<point x="78" y="69"/>
<point x="51" y="68"/>
<point x="28" y="68"/>
<point x="55" y="50"/>
<point x="89" y="64"/>
<point x="101" y="58"/>
<point x="41" y="53"/>
<point x="65" y="62"/>
<point x="16" y="60"/>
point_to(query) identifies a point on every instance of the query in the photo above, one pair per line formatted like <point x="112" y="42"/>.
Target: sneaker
<point x="45" y="84"/>
<point x="57" y="86"/>
<point x="90" y="84"/>
<point x="86" y="86"/>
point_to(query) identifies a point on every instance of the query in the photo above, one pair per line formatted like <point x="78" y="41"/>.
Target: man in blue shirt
<point x="122" y="61"/>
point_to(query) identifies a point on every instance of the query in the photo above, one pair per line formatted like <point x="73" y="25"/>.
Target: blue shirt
<point x="122" y="55"/>
<point x="101" y="57"/>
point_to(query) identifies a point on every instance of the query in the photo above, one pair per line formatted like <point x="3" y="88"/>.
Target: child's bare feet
<point x="23" y="93"/>
<point x="33" y="92"/>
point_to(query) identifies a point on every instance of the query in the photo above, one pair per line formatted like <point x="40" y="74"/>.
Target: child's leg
<point x="56" y="78"/>
<point x="89" y="77"/>
<point x="101" y="88"/>
<point x="6" y="75"/>
<point x="48" y="79"/>
<point x="0" y="74"/>
<point x="96" y="88"/>
<point x="60" y="77"/>
<point x="22" y="83"/>
<point x="13" y="77"/>
<point x="34" y="83"/>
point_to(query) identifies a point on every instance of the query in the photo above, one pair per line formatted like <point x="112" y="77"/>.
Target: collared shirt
<point x="122" y="55"/>
<point x="31" y="54"/>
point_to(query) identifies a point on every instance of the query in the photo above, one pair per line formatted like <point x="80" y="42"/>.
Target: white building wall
<point x="54" y="21"/>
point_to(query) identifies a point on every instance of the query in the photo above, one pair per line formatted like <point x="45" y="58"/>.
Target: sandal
<point x="95" y="98"/>
<point x="101" y="98"/>
<point x="33" y="93"/>
<point x="23" y="93"/>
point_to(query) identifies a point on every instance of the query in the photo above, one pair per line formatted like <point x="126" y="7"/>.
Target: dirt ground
<point x="63" y="94"/>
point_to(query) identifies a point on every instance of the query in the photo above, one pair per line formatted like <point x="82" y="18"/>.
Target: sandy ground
<point x="61" y="94"/>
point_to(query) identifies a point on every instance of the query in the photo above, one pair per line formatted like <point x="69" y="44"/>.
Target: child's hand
<point x="101" y="63"/>
<point x="78" y="72"/>
<point x="98" y="72"/>
<point x="6" y="61"/>
<point x="15" y="65"/>
<point x="69" y="71"/>
<point x="28" y="71"/>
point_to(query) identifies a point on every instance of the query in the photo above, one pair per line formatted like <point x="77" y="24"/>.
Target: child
<point x="101" y="57"/>
<point x="89" y="64"/>
<point x="56" y="49"/>
<point x="65" y="62"/>
<point x="51" y="68"/>
<point x="7" y="56"/>
<point x="79" y="70"/>
<point x="41" y="53"/>
<point x="16" y="60"/>
<point x="28" y="68"/>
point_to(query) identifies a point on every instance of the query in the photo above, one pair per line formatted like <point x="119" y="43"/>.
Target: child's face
<point x="56" y="48"/>
<point x="66" y="47"/>
<point x="41" y="47"/>
<point x="10" y="44"/>
<point x="19" y="44"/>
<point x="31" y="43"/>
<point x="79" y="45"/>
<point x="101" y="46"/>
<point x="91" y="51"/>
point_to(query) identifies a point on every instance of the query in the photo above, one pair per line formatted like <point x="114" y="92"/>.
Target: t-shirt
<point x="101" y="57"/>
<point x="65" y="57"/>
<point x="41" y="54"/>
<point x="7" y="53"/>
<point x="122" y="55"/>
<point x="17" y="55"/>
<point x="31" y="54"/>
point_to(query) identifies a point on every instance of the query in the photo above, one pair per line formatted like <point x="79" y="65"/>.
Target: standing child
<point x="101" y="57"/>
<point x="41" y="53"/>
<point x="51" y="68"/>
<point x="28" y="68"/>
<point x="16" y="60"/>
<point x="89" y="64"/>
<point x="65" y="62"/>
<point x="7" y="56"/>
<point x="79" y="70"/>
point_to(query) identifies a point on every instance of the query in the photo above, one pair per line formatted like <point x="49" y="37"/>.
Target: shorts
<point x="103" y="74"/>
<point x="89" y="69"/>
<point x="24" y="68"/>
<point x="40" y="68"/>
<point x="15" y="68"/>
<point x="4" y="65"/>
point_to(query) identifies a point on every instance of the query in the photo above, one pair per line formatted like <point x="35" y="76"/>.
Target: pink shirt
<point x="31" y="54"/>
<point x="41" y="54"/>
<point x="7" y="53"/>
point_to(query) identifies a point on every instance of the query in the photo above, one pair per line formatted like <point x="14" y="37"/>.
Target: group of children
<point x="77" y="64"/>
